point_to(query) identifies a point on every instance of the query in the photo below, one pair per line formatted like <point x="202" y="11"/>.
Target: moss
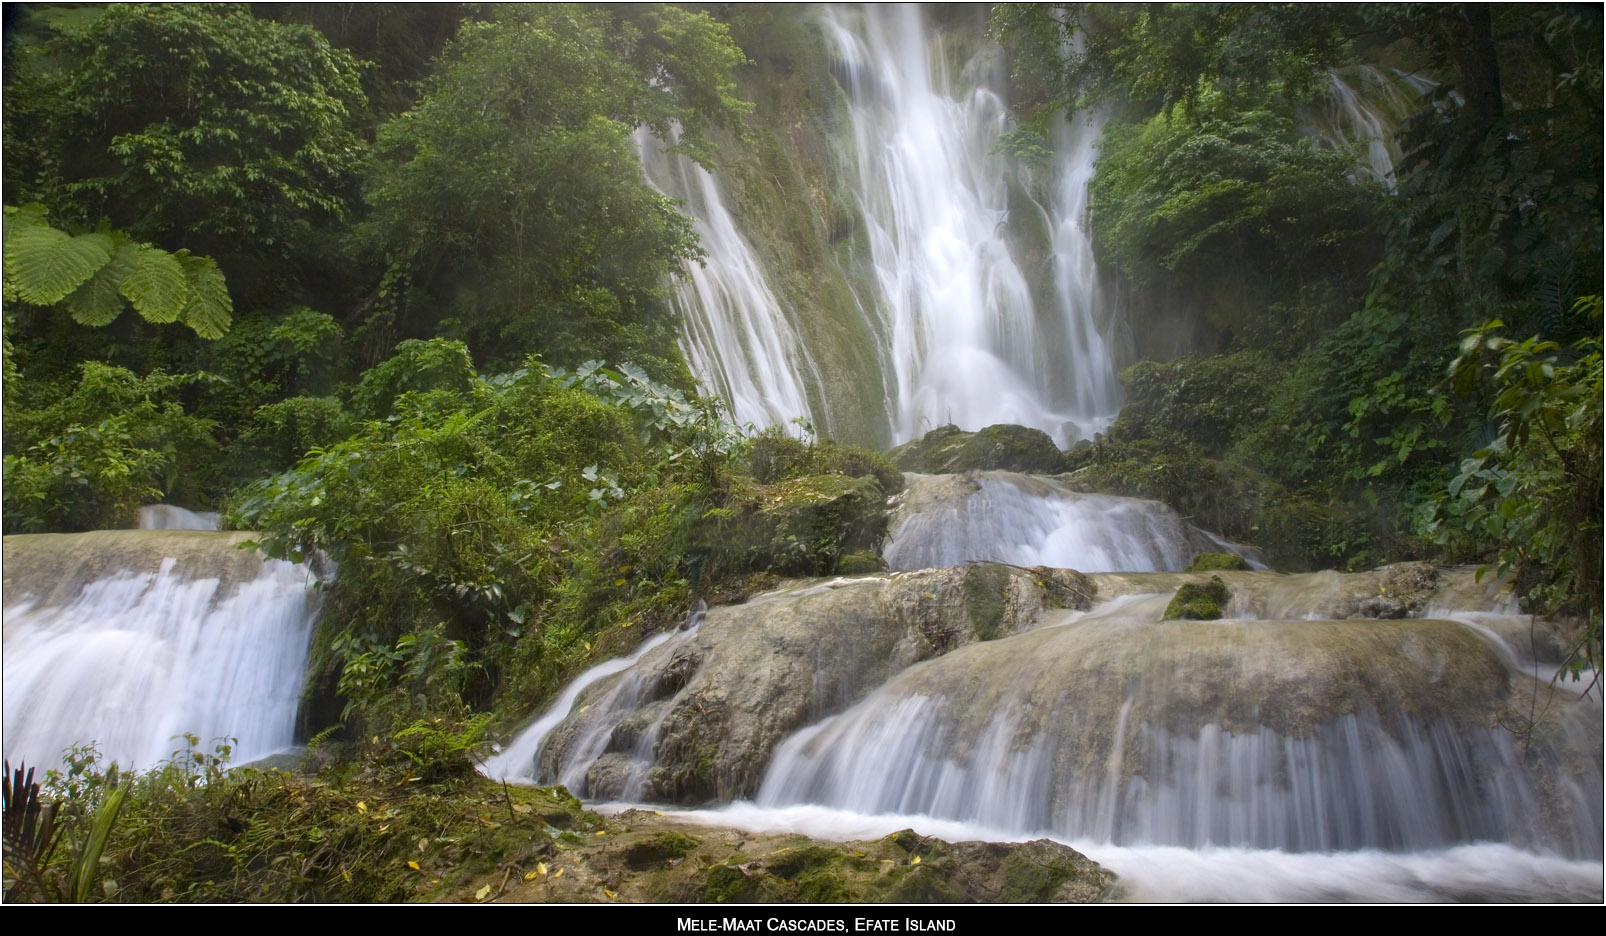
<point x="860" y="562"/>
<point x="985" y="590"/>
<point x="793" y="862"/>
<point x="950" y="450"/>
<point x="728" y="884"/>
<point x="659" y="850"/>
<point x="1217" y="562"/>
<point x="801" y="526"/>
<point x="1198" y="602"/>
<point x="1025" y="881"/>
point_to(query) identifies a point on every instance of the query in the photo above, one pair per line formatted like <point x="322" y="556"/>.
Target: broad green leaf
<point x="210" y="306"/>
<point x="46" y="265"/>
<point x="99" y="300"/>
<point x="157" y="287"/>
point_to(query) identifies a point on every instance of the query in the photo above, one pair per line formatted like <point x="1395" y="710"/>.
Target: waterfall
<point x="962" y="336"/>
<point x="130" y="640"/>
<point x="737" y="338"/>
<point x="1116" y="727"/>
<point x="999" y="516"/>
<point x="1360" y="112"/>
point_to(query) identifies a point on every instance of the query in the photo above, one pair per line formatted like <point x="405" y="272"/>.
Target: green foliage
<point x="474" y="519"/>
<point x="509" y="204"/>
<point x="1235" y="206"/>
<point x="1209" y="400"/>
<point x="1082" y="55"/>
<point x="95" y="276"/>
<point x="1532" y="496"/>
<point x="777" y="456"/>
<point x="91" y="458"/>
<point x="193" y="121"/>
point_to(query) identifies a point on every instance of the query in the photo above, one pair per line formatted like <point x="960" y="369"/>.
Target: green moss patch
<point x="1198" y="601"/>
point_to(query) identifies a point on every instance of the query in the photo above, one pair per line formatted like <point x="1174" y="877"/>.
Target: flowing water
<point x="132" y="639"/>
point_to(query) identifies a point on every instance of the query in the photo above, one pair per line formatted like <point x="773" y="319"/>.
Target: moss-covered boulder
<point x="648" y="857"/>
<point x="800" y="526"/>
<point x="1198" y="601"/>
<point x="950" y="450"/>
<point x="1217" y="562"/>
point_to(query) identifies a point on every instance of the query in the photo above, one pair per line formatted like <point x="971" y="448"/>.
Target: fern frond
<point x="46" y="265"/>
<point x="209" y="306"/>
<point x="99" y="300"/>
<point x="157" y="287"/>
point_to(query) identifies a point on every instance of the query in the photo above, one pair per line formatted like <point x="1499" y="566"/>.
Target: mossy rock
<point x="861" y="562"/>
<point x="801" y="526"/>
<point x="951" y="450"/>
<point x="1217" y="562"/>
<point x="986" y="587"/>
<point x="1198" y="601"/>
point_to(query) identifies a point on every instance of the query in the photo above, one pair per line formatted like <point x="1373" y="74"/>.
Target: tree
<point x="509" y="203"/>
<point x="186" y="121"/>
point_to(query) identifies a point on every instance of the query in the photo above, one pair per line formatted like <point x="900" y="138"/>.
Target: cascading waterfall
<point x="737" y="336"/>
<point x="130" y="640"/>
<point x="969" y="346"/>
<point x="1362" y="108"/>
<point x="1119" y="728"/>
<point x="1000" y="516"/>
<point x="962" y="336"/>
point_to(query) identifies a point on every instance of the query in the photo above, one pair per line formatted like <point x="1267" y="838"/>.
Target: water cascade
<point x="132" y="639"/>
<point x="967" y="332"/>
<point x="1000" y="516"/>
<point x="738" y="338"/>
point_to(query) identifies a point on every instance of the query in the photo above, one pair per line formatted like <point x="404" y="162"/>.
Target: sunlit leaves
<point x="91" y="276"/>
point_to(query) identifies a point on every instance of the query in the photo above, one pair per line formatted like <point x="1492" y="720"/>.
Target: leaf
<point x="413" y="865"/>
<point x="46" y="265"/>
<point x="209" y="307"/>
<point x="483" y="892"/>
<point x="610" y="894"/>
<point x="540" y="868"/>
<point x="157" y="287"/>
<point x="99" y="300"/>
<point x="558" y="873"/>
<point x="362" y="806"/>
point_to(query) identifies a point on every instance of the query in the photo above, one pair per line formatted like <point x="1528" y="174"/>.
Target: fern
<point x="209" y="306"/>
<point x="157" y="287"/>
<point x="99" y="300"/>
<point x="91" y="275"/>
<point x="46" y="265"/>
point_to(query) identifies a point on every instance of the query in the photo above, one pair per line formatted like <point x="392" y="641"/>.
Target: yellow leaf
<point x="413" y="865"/>
<point x="558" y="873"/>
<point x="522" y="808"/>
<point x="610" y="893"/>
<point x="600" y="833"/>
<point x="618" y="582"/>
<point x="530" y="876"/>
<point x="540" y="868"/>
<point x="482" y="893"/>
<point x="858" y="854"/>
<point x="588" y="646"/>
<point x="423" y="844"/>
<point x="915" y="860"/>
<point x="362" y="806"/>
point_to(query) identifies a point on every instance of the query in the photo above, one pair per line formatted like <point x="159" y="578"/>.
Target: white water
<point x="136" y="659"/>
<point x="1029" y="520"/>
<point x="961" y="338"/>
<point x="1361" y="111"/>
<point x="738" y="339"/>
<point x="518" y="762"/>
<point x="168" y="517"/>
<point x="968" y="345"/>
